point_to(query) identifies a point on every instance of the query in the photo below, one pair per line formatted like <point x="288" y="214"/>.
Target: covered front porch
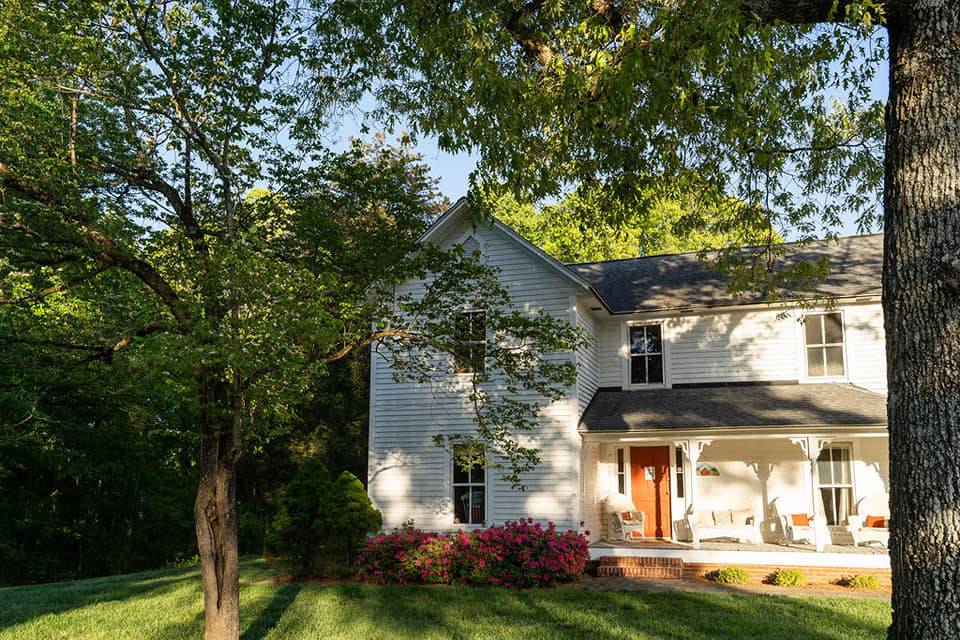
<point x="767" y="470"/>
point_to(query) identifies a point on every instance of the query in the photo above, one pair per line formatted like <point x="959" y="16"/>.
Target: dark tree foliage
<point x="91" y="482"/>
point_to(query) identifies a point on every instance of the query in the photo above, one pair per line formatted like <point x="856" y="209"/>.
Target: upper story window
<point x="824" y="343"/>
<point x="470" y="333"/>
<point x="646" y="354"/>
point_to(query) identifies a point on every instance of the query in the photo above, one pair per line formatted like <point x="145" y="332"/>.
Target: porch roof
<point x="787" y="405"/>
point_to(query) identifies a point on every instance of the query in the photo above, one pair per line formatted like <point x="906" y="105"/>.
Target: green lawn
<point x="166" y="604"/>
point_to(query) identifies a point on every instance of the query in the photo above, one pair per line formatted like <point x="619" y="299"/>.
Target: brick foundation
<point x="633" y="567"/>
<point x="675" y="568"/>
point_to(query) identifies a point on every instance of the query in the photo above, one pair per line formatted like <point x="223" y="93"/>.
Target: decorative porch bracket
<point x="811" y="447"/>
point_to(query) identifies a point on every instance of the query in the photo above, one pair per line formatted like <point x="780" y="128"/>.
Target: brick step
<point x="633" y="567"/>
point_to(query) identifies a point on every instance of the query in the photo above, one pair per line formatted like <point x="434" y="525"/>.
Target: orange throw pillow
<point x="800" y="520"/>
<point x="876" y="521"/>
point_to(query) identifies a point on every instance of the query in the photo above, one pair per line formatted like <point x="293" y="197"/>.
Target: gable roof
<point x="654" y="283"/>
<point x="784" y="405"/>
<point x="459" y="211"/>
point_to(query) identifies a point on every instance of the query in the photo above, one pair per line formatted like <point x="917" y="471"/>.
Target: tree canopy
<point x="579" y="227"/>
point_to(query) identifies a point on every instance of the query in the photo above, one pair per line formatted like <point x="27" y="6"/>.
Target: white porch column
<point x="691" y="451"/>
<point x="812" y="446"/>
<point x="589" y="476"/>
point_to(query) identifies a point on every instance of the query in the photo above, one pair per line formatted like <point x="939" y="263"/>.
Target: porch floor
<point x="719" y="545"/>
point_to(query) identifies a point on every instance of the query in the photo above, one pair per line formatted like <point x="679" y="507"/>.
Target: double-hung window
<point x="824" y="344"/>
<point x="469" y="491"/>
<point x="470" y="334"/>
<point x="836" y="482"/>
<point x="646" y="354"/>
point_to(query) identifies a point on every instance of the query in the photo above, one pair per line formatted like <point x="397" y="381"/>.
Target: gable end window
<point x="646" y="354"/>
<point x="470" y="334"/>
<point x="469" y="492"/>
<point x="823" y="335"/>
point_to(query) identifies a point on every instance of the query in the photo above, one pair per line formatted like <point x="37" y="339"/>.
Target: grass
<point x="166" y="604"/>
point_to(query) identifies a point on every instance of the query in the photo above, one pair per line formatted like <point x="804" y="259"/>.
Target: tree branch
<point x="63" y="286"/>
<point x="345" y="350"/>
<point x="797" y="11"/>
<point x="528" y="40"/>
<point x="103" y="248"/>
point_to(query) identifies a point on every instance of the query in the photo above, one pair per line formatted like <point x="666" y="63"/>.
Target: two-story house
<point x="732" y="425"/>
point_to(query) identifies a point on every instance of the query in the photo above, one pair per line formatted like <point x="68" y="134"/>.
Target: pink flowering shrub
<point x="517" y="554"/>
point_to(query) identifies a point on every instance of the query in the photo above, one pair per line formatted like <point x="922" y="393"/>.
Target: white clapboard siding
<point x="745" y="346"/>
<point x="587" y="373"/>
<point x="740" y="346"/>
<point x="866" y="346"/>
<point x="409" y="477"/>
<point x="610" y="353"/>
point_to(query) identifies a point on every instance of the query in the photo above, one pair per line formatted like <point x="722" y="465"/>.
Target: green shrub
<point x="860" y="581"/>
<point x="788" y="578"/>
<point x="320" y="525"/>
<point x="729" y="575"/>
<point x="351" y="515"/>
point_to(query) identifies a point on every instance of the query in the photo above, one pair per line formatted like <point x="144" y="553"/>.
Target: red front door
<point x="650" y="484"/>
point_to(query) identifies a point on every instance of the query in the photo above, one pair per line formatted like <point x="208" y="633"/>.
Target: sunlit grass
<point x="167" y="604"/>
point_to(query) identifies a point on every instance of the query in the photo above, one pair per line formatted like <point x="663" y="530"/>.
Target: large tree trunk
<point x="921" y="284"/>
<point x="215" y="511"/>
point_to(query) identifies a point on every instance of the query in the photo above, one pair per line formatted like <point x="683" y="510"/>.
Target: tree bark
<point x="215" y="510"/>
<point x="921" y="283"/>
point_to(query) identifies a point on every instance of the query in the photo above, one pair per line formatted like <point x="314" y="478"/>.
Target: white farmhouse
<point x="703" y="430"/>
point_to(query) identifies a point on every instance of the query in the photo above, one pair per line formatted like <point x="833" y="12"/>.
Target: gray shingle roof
<point x="683" y="280"/>
<point x="735" y="406"/>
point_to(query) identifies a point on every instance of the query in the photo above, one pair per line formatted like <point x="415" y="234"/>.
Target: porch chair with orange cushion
<point x="871" y="523"/>
<point x="624" y="522"/>
<point x="799" y="526"/>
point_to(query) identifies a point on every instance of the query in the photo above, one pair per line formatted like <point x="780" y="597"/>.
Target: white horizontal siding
<point x="747" y="346"/>
<point x="610" y="353"/>
<point x="587" y="374"/>
<point x="739" y="346"/>
<point x="409" y="477"/>
<point x="866" y="346"/>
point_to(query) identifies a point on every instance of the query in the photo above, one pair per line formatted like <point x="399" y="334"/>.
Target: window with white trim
<point x="646" y="354"/>
<point x="835" y="482"/>
<point x="823" y="333"/>
<point x="469" y="490"/>
<point x="621" y="471"/>
<point x="470" y="334"/>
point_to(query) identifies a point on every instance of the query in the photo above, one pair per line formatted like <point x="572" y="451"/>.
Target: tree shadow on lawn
<point x="19" y="605"/>
<point x="271" y="612"/>
<point x="574" y="613"/>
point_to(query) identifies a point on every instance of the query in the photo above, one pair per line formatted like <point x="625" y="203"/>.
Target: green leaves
<point x="697" y="93"/>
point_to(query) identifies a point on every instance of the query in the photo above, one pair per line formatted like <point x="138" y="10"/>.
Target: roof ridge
<point x="687" y="253"/>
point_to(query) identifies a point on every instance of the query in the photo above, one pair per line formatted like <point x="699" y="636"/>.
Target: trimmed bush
<point x="351" y="515"/>
<point x="729" y="575"/>
<point x="788" y="578"/>
<point x="517" y="554"/>
<point x="321" y="525"/>
<point x="860" y="581"/>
